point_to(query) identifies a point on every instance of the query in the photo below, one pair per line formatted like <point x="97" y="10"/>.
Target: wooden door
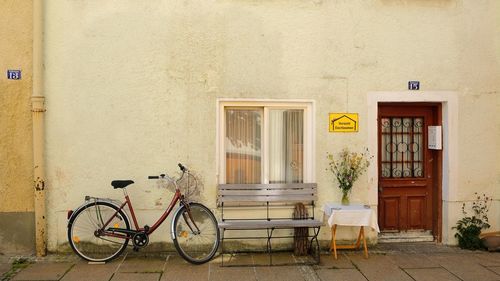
<point x="405" y="167"/>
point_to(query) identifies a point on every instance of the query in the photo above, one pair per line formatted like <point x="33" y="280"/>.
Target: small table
<point x="350" y="215"/>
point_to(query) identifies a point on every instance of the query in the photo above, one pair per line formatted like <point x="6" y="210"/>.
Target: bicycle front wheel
<point x="195" y="233"/>
<point x="89" y="239"/>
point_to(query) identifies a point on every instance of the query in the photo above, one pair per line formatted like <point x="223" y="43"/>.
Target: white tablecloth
<point x="351" y="215"/>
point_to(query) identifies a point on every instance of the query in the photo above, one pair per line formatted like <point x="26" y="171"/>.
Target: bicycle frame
<point x="178" y="197"/>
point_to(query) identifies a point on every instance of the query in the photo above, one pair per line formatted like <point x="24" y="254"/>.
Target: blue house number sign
<point x="414" y="85"/>
<point x="14" y="74"/>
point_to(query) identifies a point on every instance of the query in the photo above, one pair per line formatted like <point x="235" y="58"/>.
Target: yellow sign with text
<point x="344" y="122"/>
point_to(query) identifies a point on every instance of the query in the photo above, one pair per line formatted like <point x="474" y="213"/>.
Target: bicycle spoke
<point x="89" y="240"/>
<point x="200" y="245"/>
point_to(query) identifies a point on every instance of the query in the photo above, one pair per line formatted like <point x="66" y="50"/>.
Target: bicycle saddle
<point x="121" y="183"/>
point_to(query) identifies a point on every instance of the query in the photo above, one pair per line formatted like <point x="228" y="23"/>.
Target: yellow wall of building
<point x="16" y="138"/>
<point x="16" y="175"/>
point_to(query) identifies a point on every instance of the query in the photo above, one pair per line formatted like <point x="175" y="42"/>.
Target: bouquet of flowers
<point x="347" y="167"/>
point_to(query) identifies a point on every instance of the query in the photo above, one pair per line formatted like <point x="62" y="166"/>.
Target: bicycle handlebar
<point x="182" y="167"/>
<point x="156" y="177"/>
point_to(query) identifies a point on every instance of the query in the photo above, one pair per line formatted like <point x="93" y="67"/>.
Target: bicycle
<point x="99" y="230"/>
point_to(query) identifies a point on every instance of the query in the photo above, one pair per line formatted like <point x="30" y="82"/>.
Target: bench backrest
<point x="268" y="195"/>
<point x="258" y="193"/>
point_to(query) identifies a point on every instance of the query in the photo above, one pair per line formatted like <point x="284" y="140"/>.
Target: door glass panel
<point x="401" y="147"/>
<point x="386" y="149"/>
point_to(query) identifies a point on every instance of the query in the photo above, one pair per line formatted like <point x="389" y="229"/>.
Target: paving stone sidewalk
<point x="387" y="262"/>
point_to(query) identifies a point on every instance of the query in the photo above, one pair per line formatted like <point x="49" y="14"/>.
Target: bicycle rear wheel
<point x="87" y="237"/>
<point x="195" y="233"/>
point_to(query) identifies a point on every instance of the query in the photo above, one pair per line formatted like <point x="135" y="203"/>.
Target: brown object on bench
<point x="266" y="197"/>
<point x="300" y="233"/>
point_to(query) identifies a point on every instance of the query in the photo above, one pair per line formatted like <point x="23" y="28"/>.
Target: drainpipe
<point x="38" y="110"/>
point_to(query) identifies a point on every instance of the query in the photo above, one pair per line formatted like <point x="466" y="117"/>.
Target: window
<point x="265" y="142"/>
<point x="401" y="147"/>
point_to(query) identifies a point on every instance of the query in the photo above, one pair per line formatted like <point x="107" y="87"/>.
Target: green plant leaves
<point x="469" y="227"/>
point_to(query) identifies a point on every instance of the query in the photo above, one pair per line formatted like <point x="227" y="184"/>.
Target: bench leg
<point x="222" y="248"/>
<point x="269" y="247"/>
<point x="315" y="239"/>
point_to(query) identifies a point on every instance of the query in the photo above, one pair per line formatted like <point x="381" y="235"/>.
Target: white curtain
<point x="243" y="145"/>
<point x="286" y="145"/>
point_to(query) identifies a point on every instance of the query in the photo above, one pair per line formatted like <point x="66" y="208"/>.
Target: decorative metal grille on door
<point x="402" y="147"/>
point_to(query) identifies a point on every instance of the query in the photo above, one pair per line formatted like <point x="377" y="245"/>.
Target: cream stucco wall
<point x="132" y="87"/>
<point x="16" y="154"/>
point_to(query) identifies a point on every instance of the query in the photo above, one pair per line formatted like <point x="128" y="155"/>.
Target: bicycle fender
<point x="172" y="231"/>
<point x="87" y="202"/>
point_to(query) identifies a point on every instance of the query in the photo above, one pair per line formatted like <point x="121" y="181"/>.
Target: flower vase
<point x="345" y="197"/>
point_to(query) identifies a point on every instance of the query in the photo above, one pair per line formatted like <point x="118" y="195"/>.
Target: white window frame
<point x="309" y="134"/>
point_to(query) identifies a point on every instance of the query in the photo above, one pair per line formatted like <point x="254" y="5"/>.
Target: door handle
<point x="380" y="189"/>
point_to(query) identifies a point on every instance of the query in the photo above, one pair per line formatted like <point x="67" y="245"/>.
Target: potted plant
<point x="491" y="240"/>
<point x="470" y="226"/>
<point x="346" y="167"/>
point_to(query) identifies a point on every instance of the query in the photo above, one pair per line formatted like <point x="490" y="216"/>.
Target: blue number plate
<point x="14" y="74"/>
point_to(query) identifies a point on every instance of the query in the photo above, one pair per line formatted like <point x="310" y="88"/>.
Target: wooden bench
<point x="268" y="197"/>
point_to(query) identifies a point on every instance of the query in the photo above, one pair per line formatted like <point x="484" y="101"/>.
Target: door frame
<point x="447" y="180"/>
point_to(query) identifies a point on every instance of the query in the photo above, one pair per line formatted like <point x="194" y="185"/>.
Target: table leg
<point x="362" y="231"/>
<point x="356" y="245"/>
<point x="334" y="243"/>
<point x="358" y="242"/>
